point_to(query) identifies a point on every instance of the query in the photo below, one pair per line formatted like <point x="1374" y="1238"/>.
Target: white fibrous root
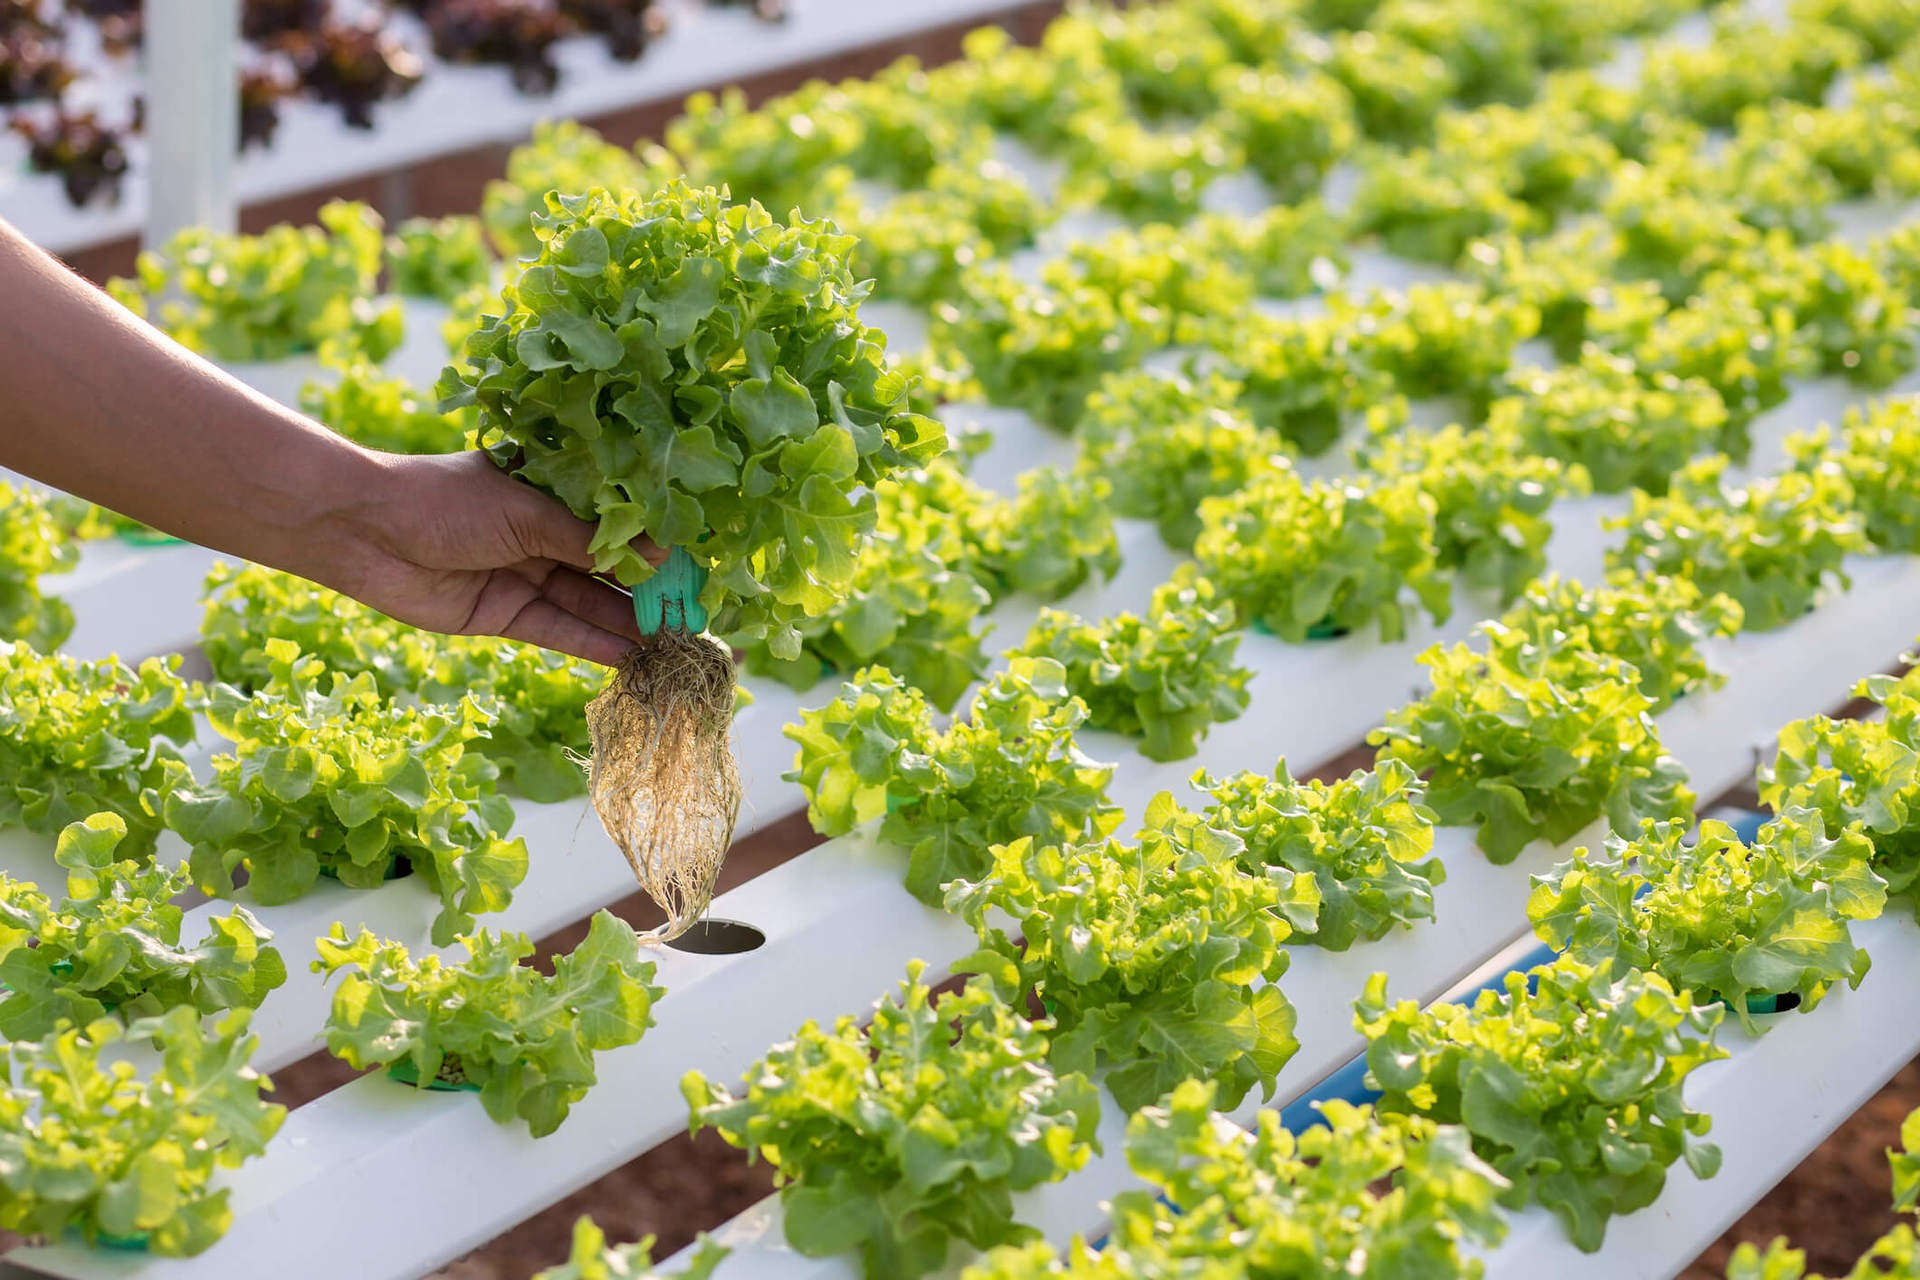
<point x="663" y="778"/>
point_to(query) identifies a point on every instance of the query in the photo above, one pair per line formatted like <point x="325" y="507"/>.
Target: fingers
<point x="512" y="607"/>
<point x="587" y="597"/>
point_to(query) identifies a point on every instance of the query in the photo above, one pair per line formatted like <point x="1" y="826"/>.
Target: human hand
<point x="455" y="545"/>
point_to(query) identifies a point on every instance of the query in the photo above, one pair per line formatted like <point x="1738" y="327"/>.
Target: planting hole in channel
<point x="718" y="938"/>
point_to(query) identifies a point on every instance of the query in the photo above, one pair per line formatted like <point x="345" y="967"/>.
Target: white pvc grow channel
<point x="435" y="1177"/>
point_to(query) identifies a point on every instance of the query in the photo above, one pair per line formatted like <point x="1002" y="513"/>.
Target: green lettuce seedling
<point x="1718" y="918"/>
<point x="1860" y="775"/>
<point x="325" y="774"/>
<point x="525" y="1039"/>
<point x="113" y="944"/>
<point x="78" y="738"/>
<point x="1661" y="626"/>
<point x="1569" y="1079"/>
<point x="438" y="258"/>
<point x="93" y="1145"/>
<point x="1164" y="678"/>
<point x="286" y="291"/>
<point x="1157" y="958"/>
<point x="32" y="545"/>
<point x="1772" y="544"/>
<point x="1526" y="743"/>
<point x="1300" y="558"/>
<point x="1364" y="841"/>
<point x="1877" y="449"/>
<point x="897" y="1139"/>
<point x="1010" y="768"/>
<point x="1361" y="1195"/>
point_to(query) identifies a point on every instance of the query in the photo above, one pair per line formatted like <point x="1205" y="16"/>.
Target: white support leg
<point x="193" y="115"/>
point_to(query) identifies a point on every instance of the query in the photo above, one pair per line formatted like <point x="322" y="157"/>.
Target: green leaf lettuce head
<point x="1491" y="500"/>
<point x="1009" y="768"/>
<point x="694" y="371"/>
<point x="1659" y="625"/>
<point x="1165" y="445"/>
<point x="1718" y="918"/>
<point x="1157" y="959"/>
<point x="562" y="155"/>
<point x="438" y="258"/>
<point x="1054" y="535"/>
<point x="1297" y="556"/>
<point x="1860" y="775"/>
<point x="78" y="738"/>
<point x="89" y="1144"/>
<point x="1627" y="429"/>
<point x="592" y="1258"/>
<point x="525" y="1038"/>
<point x="1878" y="451"/>
<point x="257" y="298"/>
<point x="1771" y="544"/>
<point x="539" y="732"/>
<point x="1363" y="843"/>
<point x="1223" y="1202"/>
<point x="368" y="407"/>
<point x="114" y="945"/>
<point x="331" y="776"/>
<point x="1164" y="679"/>
<point x="1531" y="743"/>
<point x="1044" y="346"/>
<point x="33" y="544"/>
<point x="1438" y="339"/>
<point x="1306" y="379"/>
<point x="899" y="1138"/>
<point x="1572" y="1089"/>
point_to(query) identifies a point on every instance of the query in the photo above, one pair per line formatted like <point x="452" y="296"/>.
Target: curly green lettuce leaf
<point x="1158" y="959"/>
<point x="79" y="738"/>
<point x="1717" y="918"/>
<point x="113" y="943"/>
<point x="96" y="1146"/>
<point x="325" y="775"/>
<point x="1772" y="544"/>
<point x="1365" y="842"/>
<point x="1165" y="678"/>
<point x="1526" y="743"/>
<point x="1298" y="557"/>
<point x="896" y="1139"/>
<point x="525" y="1038"/>
<point x="1568" y="1077"/>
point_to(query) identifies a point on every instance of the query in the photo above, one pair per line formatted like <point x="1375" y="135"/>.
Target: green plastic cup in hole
<point x="138" y="1242"/>
<point x="397" y="866"/>
<point x="1322" y="630"/>
<point x="1757" y="1004"/>
<point x="406" y="1073"/>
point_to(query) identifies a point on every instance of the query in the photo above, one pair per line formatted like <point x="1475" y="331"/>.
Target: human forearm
<point x="97" y="403"/>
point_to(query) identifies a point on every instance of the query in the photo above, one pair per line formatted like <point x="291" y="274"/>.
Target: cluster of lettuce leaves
<point x="899" y="1138"/>
<point x="113" y="944"/>
<point x="525" y="1040"/>
<point x="695" y="371"/>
